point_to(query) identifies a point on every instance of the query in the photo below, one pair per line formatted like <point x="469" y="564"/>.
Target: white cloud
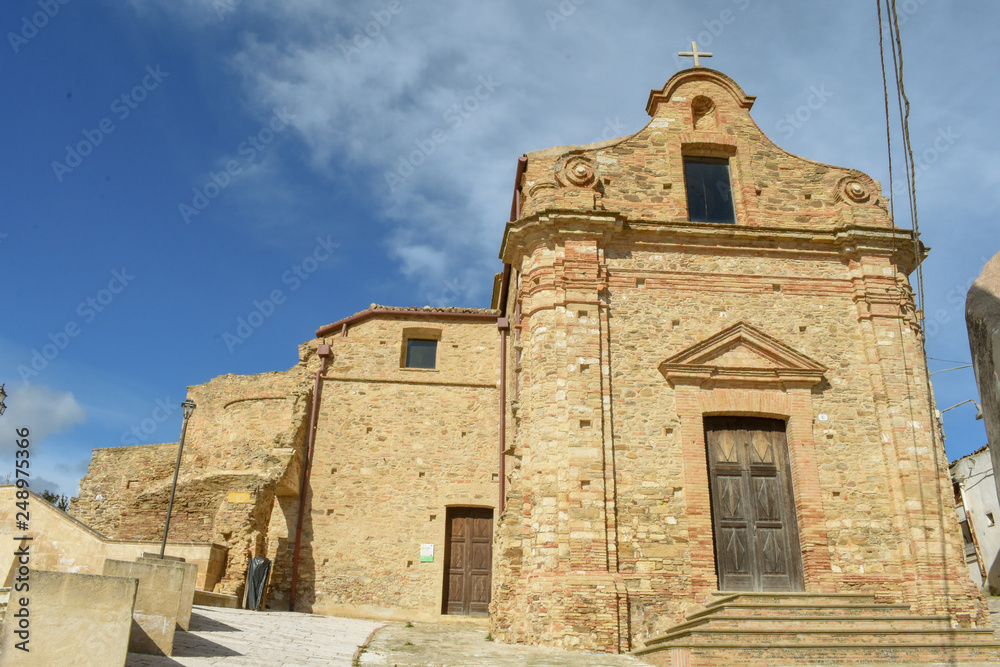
<point x="365" y="104"/>
<point x="44" y="411"/>
<point x="430" y="95"/>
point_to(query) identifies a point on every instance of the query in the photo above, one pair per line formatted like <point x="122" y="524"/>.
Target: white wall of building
<point x="979" y="505"/>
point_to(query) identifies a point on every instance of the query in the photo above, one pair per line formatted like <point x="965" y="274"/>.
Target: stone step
<point x="806" y="637"/>
<point x="806" y="607"/>
<point x="756" y="629"/>
<point x="831" y="655"/>
<point x="726" y="597"/>
<point x="880" y="623"/>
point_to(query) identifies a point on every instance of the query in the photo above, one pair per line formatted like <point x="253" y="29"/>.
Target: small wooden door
<point x="468" y="561"/>
<point x="753" y="511"/>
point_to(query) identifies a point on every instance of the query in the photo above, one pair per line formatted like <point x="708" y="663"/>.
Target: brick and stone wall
<point x="611" y="493"/>
<point x="395" y="447"/>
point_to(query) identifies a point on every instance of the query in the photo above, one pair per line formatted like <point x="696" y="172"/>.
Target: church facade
<point x="701" y="385"/>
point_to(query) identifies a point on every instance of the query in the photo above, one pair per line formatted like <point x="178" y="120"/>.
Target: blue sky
<point x="171" y="162"/>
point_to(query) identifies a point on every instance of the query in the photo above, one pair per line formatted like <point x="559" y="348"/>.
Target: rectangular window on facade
<point x="709" y="190"/>
<point x="421" y="353"/>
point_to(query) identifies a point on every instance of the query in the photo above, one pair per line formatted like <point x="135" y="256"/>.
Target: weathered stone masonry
<point x="629" y="325"/>
<point x="607" y="537"/>
<point x="395" y="447"/>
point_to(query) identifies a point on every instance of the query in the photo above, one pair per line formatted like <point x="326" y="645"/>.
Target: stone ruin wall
<point x="115" y="482"/>
<point x="243" y="445"/>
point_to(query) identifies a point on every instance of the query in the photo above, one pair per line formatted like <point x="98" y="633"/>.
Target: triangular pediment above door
<point x="742" y="354"/>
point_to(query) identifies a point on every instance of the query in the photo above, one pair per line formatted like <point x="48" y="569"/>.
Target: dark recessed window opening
<point x="709" y="192"/>
<point x="421" y="353"/>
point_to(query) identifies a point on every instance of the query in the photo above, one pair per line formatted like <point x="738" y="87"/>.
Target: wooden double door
<point x="468" y="561"/>
<point x="753" y="510"/>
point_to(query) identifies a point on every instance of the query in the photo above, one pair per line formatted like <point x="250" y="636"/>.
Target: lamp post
<point x="188" y="407"/>
<point x="3" y="395"/>
<point x="979" y="409"/>
<point x="940" y="420"/>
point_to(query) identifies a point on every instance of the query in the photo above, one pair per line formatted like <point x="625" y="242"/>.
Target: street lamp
<point x="3" y="395"/>
<point x="979" y="409"/>
<point x="188" y="407"/>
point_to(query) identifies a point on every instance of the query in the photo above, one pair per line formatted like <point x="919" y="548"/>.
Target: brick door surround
<point x="771" y="380"/>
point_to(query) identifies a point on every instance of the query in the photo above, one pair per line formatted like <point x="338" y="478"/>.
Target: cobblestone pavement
<point x="458" y="644"/>
<point x="236" y="637"/>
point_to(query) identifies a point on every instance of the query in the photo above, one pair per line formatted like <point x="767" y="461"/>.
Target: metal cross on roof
<point x="693" y="53"/>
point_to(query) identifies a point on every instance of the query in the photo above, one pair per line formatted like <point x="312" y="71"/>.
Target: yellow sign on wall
<point x="239" y="497"/>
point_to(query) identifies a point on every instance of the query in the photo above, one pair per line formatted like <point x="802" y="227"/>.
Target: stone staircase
<point x="764" y="629"/>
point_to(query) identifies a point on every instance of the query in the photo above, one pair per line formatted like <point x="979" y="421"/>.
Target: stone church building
<point x="698" y="403"/>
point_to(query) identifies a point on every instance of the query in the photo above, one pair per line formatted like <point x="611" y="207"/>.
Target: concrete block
<point x="207" y="599"/>
<point x="178" y="559"/>
<point x="187" y="589"/>
<point x="157" y="600"/>
<point x="73" y="620"/>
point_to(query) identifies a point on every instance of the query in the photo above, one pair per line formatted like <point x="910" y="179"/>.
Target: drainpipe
<point x="324" y="353"/>
<point x="503" y="324"/>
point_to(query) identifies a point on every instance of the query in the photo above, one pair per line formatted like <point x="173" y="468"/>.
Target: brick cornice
<point x="847" y="240"/>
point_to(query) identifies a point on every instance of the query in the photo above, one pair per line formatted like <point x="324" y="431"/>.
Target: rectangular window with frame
<point x="709" y="190"/>
<point x="421" y="353"/>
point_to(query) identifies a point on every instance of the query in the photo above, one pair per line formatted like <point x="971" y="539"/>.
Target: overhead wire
<point x="903" y="104"/>
<point x="904" y="114"/>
